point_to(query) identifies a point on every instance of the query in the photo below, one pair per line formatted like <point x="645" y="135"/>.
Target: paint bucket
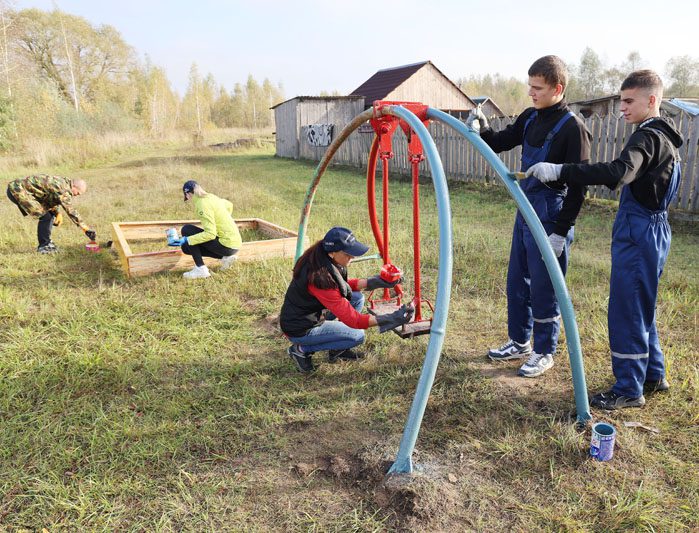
<point x="602" y="443"/>
<point x="92" y="246"/>
<point x="390" y="273"/>
<point x="171" y="235"/>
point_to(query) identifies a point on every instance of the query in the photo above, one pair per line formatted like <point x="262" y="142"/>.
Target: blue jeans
<point x="333" y="334"/>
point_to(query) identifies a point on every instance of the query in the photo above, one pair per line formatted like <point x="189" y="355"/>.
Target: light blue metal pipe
<point x="572" y="335"/>
<point x="404" y="462"/>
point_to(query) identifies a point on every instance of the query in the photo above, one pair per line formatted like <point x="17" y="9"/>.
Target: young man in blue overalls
<point x="548" y="131"/>
<point x="648" y="169"/>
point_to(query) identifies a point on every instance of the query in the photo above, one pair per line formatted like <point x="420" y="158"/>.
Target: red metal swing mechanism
<point x="385" y="126"/>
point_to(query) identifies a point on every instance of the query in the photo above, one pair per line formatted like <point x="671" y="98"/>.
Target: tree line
<point x="62" y="76"/>
<point x="590" y="78"/>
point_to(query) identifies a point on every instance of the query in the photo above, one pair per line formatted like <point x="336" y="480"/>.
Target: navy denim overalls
<point x="640" y="244"/>
<point x="531" y="300"/>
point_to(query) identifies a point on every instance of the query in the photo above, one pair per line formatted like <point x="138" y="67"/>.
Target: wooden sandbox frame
<point x="282" y="244"/>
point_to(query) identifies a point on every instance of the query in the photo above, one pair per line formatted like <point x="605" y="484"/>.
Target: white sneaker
<point x="536" y="365"/>
<point x="227" y="261"/>
<point x="510" y="350"/>
<point x="197" y="272"/>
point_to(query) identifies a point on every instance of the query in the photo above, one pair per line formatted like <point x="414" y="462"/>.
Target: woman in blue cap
<point x="320" y="283"/>
<point x="218" y="237"/>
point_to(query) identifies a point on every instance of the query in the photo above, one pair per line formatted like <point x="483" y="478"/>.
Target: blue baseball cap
<point x="340" y="239"/>
<point x="188" y="187"/>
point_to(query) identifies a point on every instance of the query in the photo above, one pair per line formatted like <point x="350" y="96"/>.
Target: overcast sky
<point x="315" y="45"/>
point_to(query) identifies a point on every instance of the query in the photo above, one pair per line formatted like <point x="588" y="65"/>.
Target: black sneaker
<point x="649" y="387"/>
<point x="303" y="361"/>
<point x="343" y="355"/>
<point x="611" y="401"/>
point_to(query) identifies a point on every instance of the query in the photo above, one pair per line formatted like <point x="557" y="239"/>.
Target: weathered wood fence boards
<point x="462" y="162"/>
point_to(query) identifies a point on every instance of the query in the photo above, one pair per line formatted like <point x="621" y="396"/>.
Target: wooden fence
<point x="462" y="162"/>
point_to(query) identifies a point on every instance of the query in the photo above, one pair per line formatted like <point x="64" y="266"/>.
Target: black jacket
<point x="645" y="164"/>
<point x="301" y="311"/>
<point x="570" y="145"/>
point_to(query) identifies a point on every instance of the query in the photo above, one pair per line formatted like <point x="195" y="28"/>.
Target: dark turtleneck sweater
<point x="570" y="145"/>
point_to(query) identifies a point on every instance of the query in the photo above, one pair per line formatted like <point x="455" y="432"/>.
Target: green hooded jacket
<point x="216" y="215"/>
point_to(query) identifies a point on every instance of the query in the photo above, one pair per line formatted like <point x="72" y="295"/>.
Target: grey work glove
<point x="476" y="119"/>
<point x="401" y="316"/>
<point x="377" y="282"/>
<point x="545" y="172"/>
<point x="558" y="243"/>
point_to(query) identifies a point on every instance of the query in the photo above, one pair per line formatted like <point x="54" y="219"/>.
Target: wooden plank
<point x="272" y="229"/>
<point x="154" y="230"/>
<point x="122" y="246"/>
<point x="689" y="177"/>
<point x="692" y="166"/>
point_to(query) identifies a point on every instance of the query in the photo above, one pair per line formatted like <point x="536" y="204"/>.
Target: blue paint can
<point x="172" y="235"/>
<point x="602" y="444"/>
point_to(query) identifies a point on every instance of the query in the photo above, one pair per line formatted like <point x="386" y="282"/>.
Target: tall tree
<point x="590" y="74"/>
<point x="684" y="73"/>
<point x="64" y="47"/>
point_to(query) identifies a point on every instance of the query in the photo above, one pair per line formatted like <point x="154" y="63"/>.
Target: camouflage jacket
<point x="39" y="194"/>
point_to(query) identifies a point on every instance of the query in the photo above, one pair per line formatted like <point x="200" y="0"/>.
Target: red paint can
<point x="92" y="246"/>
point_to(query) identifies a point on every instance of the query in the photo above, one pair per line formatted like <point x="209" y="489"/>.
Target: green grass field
<point x="157" y="404"/>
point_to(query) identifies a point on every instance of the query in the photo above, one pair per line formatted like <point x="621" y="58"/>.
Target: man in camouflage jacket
<point x="41" y="196"/>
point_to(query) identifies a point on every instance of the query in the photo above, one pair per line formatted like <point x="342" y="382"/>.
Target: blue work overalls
<point x="640" y="244"/>
<point x="531" y="300"/>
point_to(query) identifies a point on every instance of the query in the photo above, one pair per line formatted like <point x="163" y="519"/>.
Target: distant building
<point x="292" y="115"/>
<point x="674" y="106"/>
<point x="605" y="105"/>
<point x="602" y="106"/>
<point x="489" y="107"/>
<point x="316" y="120"/>
<point x="419" y="82"/>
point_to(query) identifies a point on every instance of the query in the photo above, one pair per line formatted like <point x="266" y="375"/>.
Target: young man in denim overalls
<point x="548" y="131"/>
<point x="648" y="169"/>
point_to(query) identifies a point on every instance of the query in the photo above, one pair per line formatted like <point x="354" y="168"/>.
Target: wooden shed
<point x="418" y="82"/>
<point x="490" y="108"/>
<point x="301" y="112"/>
<point x="602" y="106"/>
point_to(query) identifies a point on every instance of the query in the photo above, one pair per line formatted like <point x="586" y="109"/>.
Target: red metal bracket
<point x="384" y="127"/>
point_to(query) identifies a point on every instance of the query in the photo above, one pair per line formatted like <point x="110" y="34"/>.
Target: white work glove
<point x="545" y="172"/>
<point x="476" y="119"/>
<point x="558" y="243"/>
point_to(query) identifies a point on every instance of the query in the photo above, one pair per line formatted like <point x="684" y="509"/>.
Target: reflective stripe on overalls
<point x="640" y="244"/>
<point x="531" y="300"/>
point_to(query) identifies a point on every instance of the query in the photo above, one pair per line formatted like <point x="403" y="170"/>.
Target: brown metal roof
<point x="384" y="81"/>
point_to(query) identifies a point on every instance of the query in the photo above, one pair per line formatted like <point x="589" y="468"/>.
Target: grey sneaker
<point x="536" y="365"/>
<point x="49" y="248"/>
<point x="611" y="401"/>
<point x="510" y="350"/>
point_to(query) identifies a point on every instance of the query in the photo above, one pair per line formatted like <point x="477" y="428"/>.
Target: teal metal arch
<point x="403" y="462"/>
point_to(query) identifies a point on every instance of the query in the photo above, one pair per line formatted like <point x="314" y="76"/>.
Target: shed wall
<point x="430" y="87"/>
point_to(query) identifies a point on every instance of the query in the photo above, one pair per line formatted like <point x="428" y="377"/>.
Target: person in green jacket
<point x="218" y="237"/>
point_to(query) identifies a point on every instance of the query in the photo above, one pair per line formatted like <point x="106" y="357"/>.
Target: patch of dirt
<point x="270" y="325"/>
<point x="505" y="374"/>
<point x="427" y="498"/>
